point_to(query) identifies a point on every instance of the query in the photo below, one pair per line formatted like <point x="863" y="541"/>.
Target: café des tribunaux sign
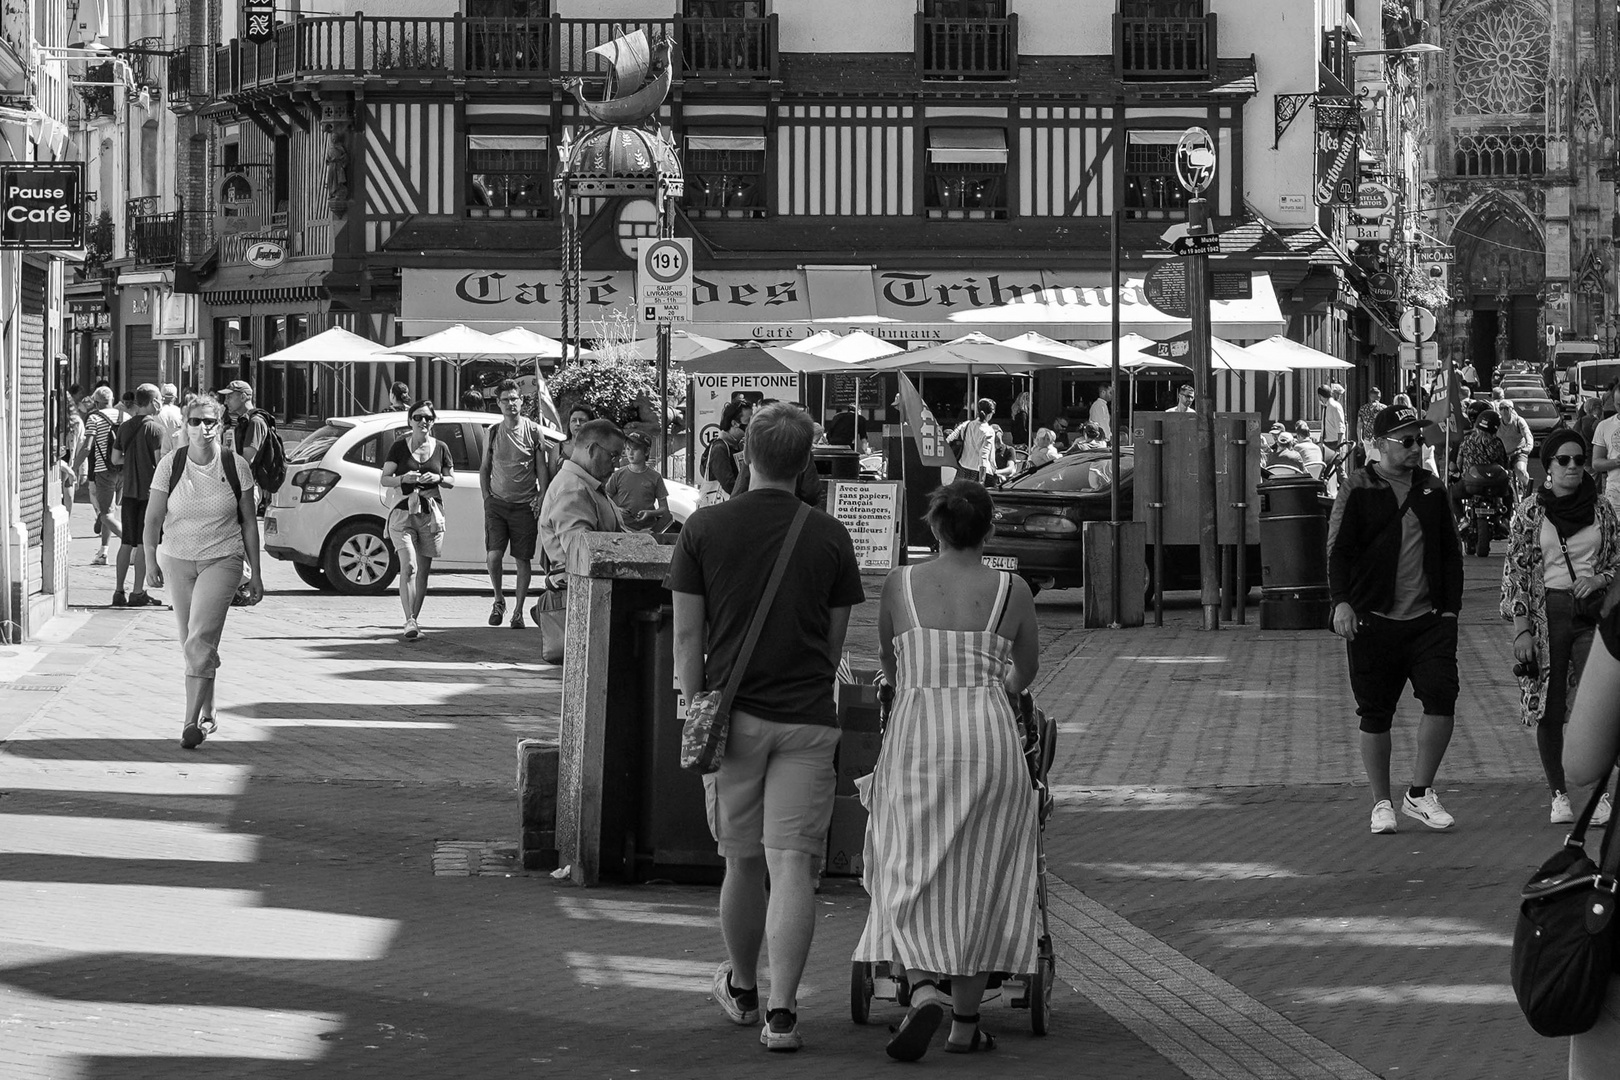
<point x="41" y="206"/>
<point x="785" y="305"/>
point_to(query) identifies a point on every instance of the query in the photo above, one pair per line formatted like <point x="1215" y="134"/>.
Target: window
<point x="725" y="172"/>
<point x="965" y="9"/>
<point x="281" y="168"/>
<point x="966" y="174"/>
<point x="508" y="176"/>
<point x="1151" y="187"/>
<point x="508" y="9"/>
<point x="461" y="447"/>
<point x="373" y="452"/>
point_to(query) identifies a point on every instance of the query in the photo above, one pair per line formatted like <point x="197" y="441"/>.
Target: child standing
<point x="638" y="490"/>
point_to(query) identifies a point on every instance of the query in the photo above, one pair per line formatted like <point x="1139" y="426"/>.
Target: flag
<point x="921" y="426"/>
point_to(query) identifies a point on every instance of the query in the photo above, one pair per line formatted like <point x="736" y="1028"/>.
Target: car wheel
<point x="359" y="561"/>
<point x="313" y="576"/>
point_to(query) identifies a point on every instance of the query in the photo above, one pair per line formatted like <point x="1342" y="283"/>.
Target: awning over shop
<point x="725" y="138"/>
<point x="787" y="305"/>
<point x="962" y="146"/>
<point x="507" y="142"/>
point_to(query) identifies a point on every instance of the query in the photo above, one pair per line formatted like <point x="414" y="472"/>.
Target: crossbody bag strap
<point x="1400" y="512"/>
<point x="763" y="611"/>
<point x="1568" y="562"/>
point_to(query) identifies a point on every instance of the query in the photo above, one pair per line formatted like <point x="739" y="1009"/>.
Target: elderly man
<point x="170" y="416"/>
<point x="576" y="503"/>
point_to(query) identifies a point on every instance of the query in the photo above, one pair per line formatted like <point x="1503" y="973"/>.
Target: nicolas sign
<point x="40" y="206"/>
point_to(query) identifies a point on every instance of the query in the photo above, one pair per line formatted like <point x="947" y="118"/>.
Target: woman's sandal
<point x="196" y="731"/>
<point x="917" y="1030"/>
<point x="982" y="1039"/>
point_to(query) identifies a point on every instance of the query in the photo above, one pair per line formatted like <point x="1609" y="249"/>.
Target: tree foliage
<point x="613" y="381"/>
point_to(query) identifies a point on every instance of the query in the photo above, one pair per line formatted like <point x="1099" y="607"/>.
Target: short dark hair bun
<point x="961" y="513"/>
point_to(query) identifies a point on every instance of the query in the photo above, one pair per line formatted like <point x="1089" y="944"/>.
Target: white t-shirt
<point x="1332" y="421"/>
<point x="977" y="439"/>
<point x="1583" y="546"/>
<point x="1100" y="417"/>
<point x="200" y="522"/>
<point x="174" y="426"/>
<point x="1607" y="436"/>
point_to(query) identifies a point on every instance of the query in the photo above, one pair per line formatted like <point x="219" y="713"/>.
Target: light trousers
<point x="201" y="592"/>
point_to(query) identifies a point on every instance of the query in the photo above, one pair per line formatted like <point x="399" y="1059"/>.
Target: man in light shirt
<point x="1606" y="446"/>
<point x="1332" y="420"/>
<point x="1102" y="410"/>
<point x="172" y="419"/>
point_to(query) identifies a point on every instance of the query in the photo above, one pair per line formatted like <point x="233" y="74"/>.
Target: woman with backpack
<point x="975" y="440"/>
<point x="201" y="511"/>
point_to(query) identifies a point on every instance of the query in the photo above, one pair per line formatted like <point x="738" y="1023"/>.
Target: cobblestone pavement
<point x="268" y="906"/>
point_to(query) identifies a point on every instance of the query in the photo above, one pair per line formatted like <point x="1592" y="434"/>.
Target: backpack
<point x="270" y="464"/>
<point x="177" y="466"/>
<point x="100" y="431"/>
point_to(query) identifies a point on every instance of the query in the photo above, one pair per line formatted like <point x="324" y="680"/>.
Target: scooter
<point x="1486" y="508"/>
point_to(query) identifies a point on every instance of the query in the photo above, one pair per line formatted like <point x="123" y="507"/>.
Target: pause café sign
<point x="41" y="206"/>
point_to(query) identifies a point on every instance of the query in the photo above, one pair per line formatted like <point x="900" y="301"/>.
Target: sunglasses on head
<point x="203" y="421"/>
<point x="1408" y="441"/>
<point x="1566" y="460"/>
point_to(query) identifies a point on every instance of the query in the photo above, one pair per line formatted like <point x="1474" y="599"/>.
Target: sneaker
<point x="517" y="620"/>
<point x="1383" y="817"/>
<point x="740" y="1006"/>
<point x="119" y="599"/>
<point x="497" y="612"/>
<point x="100" y="559"/>
<point x="411" y="632"/>
<point x="1600" y="816"/>
<point x="781" y="1031"/>
<point x="1562" y="812"/>
<point x="191" y="737"/>
<point x="141" y="599"/>
<point x="1427" y="810"/>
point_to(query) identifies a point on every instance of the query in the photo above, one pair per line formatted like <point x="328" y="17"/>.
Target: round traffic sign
<point x="1195" y="160"/>
<point x="1417" y="324"/>
<point x="665" y="261"/>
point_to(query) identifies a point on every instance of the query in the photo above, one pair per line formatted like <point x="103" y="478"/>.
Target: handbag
<point x="1590" y="606"/>
<point x="1563" y="945"/>
<point x="551" y="616"/>
<point x="708" y="715"/>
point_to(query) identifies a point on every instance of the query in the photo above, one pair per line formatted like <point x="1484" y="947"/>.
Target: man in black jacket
<point x="1395" y="573"/>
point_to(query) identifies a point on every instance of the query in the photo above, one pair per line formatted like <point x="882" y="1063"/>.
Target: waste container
<point x="1293" y="555"/>
<point x="672" y="840"/>
<point x="837" y="462"/>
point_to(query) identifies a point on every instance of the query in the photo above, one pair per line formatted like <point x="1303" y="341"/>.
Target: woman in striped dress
<point x="950" y="847"/>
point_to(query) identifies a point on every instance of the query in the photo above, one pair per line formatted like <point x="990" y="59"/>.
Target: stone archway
<point x="1500" y="270"/>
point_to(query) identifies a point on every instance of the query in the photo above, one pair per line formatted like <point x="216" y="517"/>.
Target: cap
<point x="1276" y="425"/>
<point x="636" y="438"/>
<point x="239" y="386"/>
<point x="1393" y="419"/>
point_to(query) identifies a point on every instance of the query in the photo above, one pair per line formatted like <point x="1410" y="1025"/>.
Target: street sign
<point x="1195" y="160"/>
<point x="1231" y="285"/>
<point x="664" y="280"/>
<point x="1426" y="355"/>
<point x="1197" y="245"/>
<point x="1165" y="288"/>
<point x="41" y="206"/>
<point x="258" y="21"/>
<point x="1361" y="232"/>
<point x="1373" y="201"/>
<point x="1178" y="348"/>
<point x="1417" y="324"/>
<point x="1383" y="287"/>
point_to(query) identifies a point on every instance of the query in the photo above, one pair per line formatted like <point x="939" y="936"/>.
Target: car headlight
<point x="1050" y="524"/>
<point x="315" y="483"/>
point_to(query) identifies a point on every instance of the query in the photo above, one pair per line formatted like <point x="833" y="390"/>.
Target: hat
<point x="1277" y="425"/>
<point x="1488" y="420"/>
<point x="1393" y="419"/>
<point x="1285" y="439"/>
<point x="1559" y="437"/>
<point x="636" y="438"/>
<point x="239" y="386"/>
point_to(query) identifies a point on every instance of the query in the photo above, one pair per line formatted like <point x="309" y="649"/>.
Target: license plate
<point x="1001" y="562"/>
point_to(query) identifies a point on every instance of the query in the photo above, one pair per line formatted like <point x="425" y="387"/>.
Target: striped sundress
<point x="950" y="845"/>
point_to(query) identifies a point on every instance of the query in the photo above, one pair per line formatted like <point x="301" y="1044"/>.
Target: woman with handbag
<point x="950" y="845"/>
<point x="977" y="441"/>
<point x="1563" y="554"/>
<point x="204" y="519"/>
<point x="1589" y="756"/>
<point x="419" y="466"/>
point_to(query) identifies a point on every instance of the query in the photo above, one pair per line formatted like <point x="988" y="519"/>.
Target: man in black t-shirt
<point x="771" y="801"/>
<point x="140" y="441"/>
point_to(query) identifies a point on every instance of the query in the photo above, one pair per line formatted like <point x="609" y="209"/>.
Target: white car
<point x="328" y="517"/>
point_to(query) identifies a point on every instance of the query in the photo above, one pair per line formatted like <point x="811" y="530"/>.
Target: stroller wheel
<point x="1040" y="989"/>
<point x="860" y="991"/>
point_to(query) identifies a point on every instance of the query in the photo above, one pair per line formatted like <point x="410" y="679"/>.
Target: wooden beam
<point x="259" y="120"/>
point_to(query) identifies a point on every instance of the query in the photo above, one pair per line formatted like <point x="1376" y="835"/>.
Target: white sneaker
<point x="1383" y="817"/>
<point x="1600" y="816"/>
<point x="741" y="1007"/>
<point x="1427" y="810"/>
<point x="1562" y="812"/>
<point x="411" y="632"/>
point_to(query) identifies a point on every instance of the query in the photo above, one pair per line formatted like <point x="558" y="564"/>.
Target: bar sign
<point x="259" y="20"/>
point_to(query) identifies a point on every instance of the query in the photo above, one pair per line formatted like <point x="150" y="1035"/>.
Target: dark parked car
<point x="1039" y="514"/>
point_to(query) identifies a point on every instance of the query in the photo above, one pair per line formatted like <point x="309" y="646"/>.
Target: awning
<point x="507" y="142"/>
<point x="947" y="146"/>
<point x="1154" y="137"/>
<point x="725" y="138"/>
<point x="843" y="293"/>
<point x="1384" y="338"/>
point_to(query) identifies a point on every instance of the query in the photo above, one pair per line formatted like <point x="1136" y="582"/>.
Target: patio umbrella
<point x="1057" y="350"/>
<point x="461" y="343"/>
<point x="1297" y="356"/>
<point x="970" y="354"/>
<point x="334" y="346"/>
<point x="683" y="346"/>
<point x="1131" y="356"/>
<point x="538" y="346"/>
<point x="762" y="360"/>
<point x="849" y="348"/>
<point x="1226" y="356"/>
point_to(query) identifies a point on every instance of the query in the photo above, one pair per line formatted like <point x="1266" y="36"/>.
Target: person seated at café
<point x="1043" y="451"/>
<point x="1060" y="434"/>
<point x="1310" y="451"/>
<point x="1283" y="456"/>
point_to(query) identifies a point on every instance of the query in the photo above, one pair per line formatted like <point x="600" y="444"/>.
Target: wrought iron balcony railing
<point x="967" y="48"/>
<point x="1164" y="49"/>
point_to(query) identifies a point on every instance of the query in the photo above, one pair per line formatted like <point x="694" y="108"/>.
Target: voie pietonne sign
<point x="41" y="206"/>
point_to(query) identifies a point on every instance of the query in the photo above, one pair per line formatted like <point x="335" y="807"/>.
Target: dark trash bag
<point x="1563" y="945"/>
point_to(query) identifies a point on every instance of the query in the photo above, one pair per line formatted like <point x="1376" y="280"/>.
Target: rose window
<point x="1499" y="56"/>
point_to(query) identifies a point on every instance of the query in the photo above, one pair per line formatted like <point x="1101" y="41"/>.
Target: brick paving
<point x="268" y="906"/>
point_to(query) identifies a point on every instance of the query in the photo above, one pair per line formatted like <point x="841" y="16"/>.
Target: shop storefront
<point x="138" y="357"/>
<point x="90" y="333"/>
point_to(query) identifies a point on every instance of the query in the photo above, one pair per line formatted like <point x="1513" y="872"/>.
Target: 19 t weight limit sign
<point x="664" y="280"/>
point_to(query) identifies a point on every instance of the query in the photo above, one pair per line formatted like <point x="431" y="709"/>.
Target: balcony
<point x="980" y="49"/>
<point x="164" y="239"/>
<point x="457" y="47"/>
<point x="190" y="77"/>
<point x="1164" y="49"/>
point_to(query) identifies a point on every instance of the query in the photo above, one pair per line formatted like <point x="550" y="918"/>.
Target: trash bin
<point x="837" y="462"/>
<point x="672" y="840"/>
<point x="1293" y="555"/>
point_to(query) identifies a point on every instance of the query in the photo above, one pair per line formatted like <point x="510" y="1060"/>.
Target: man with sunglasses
<point x="1395" y="573"/>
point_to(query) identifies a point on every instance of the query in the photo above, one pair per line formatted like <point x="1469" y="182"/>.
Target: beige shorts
<point x="774" y="788"/>
<point x="415" y="535"/>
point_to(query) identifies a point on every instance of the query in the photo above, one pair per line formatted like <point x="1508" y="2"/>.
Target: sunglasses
<point x="422" y="418"/>
<point x="1408" y="441"/>
<point x="1566" y="460"/>
<point x="198" y="421"/>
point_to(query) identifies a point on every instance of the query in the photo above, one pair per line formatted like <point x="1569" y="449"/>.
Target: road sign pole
<point x="1119" y="412"/>
<point x="1209" y="556"/>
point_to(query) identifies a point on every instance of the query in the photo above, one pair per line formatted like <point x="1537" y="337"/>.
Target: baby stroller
<point x="1032" y="990"/>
